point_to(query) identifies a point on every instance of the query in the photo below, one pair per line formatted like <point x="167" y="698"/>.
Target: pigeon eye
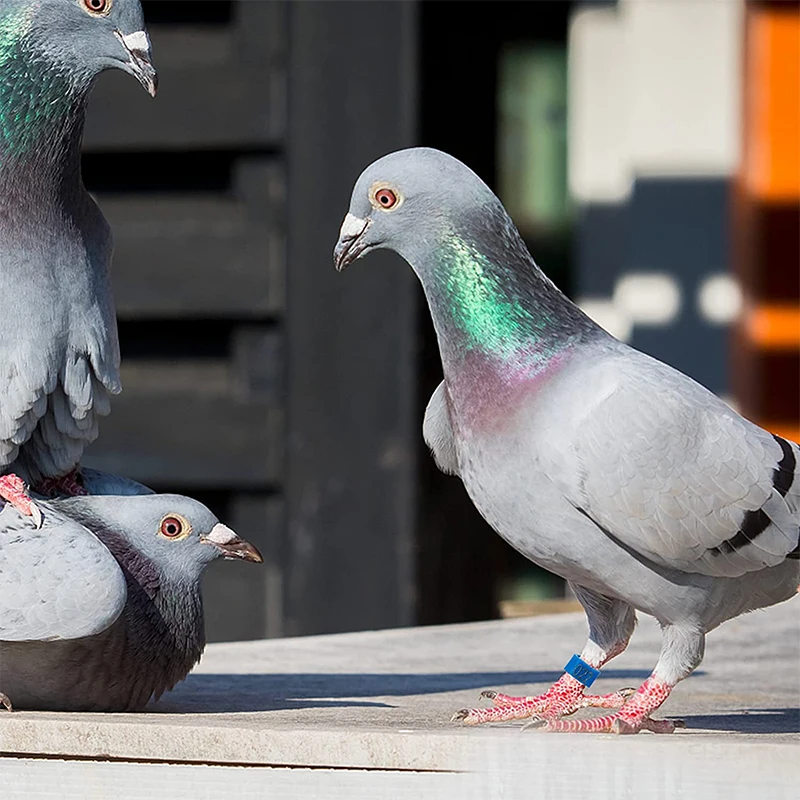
<point x="97" y="7"/>
<point x="385" y="198"/>
<point x="172" y="527"/>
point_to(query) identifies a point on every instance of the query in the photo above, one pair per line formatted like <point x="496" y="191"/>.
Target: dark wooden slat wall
<point x="193" y="184"/>
<point x="255" y="378"/>
<point x="219" y="86"/>
<point x="352" y="421"/>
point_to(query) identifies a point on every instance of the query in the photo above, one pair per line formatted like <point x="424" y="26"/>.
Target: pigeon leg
<point x="69" y="485"/>
<point x="681" y="651"/>
<point x="12" y="490"/>
<point x="611" y="624"/>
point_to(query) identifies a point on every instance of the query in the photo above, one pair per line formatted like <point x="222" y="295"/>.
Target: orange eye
<point x="98" y="7"/>
<point x="385" y="198"/>
<point x="172" y="527"/>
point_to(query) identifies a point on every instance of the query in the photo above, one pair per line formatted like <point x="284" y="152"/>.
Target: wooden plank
<point x="189" y="424"/>
<point x="212" y="93"/>
<point x="195" y="255"/>
<point x="30" y="778"/>
<point x="352" y="420"/>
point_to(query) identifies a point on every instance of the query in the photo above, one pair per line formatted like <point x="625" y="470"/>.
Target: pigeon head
<point x="487" y="297"/>
<point x="78" y="38"/>
<point x="409" y="201"/>
<point x="50" y="53"/>
<point x="177" y="533"/>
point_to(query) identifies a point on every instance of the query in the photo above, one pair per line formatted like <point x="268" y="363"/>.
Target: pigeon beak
<point x="230" y="545"/>
<point x="139" y="62"/>
<point x="351" y="243"/>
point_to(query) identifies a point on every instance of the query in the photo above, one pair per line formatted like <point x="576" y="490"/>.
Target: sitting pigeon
<point x="597" y="462"/>
<point x="59" y="356"/>
<point x="100" y="609"/>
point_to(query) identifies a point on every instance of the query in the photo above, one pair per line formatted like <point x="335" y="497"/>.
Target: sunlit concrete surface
<point x="367" y="715"/>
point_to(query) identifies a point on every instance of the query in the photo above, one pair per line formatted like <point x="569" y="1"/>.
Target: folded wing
<point x="59" y="582"/>
<point x="669" y="470"/>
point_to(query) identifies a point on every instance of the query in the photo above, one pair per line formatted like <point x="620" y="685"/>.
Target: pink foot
<point x="563" y="698"/>
<point x="69" y="485"/>
<point x="13" y="491"/>
<point x="633" y="717"/>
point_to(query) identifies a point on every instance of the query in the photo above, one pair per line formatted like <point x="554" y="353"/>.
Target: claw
<point x="622" y="728"/>
<point x="36" y="514"/>
<point x="489" y="694"/>
<point x="459" y="715"/>
<point x="5" y="702"/>
<point x="534" y="724"/>
<point x="627" y="692"/>
<point x="660" y="725"/>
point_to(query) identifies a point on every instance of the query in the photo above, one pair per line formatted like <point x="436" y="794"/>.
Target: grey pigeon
<point x="100" y="609"/>
<point x="618" y="473"/>
<point x="59" y="355"/>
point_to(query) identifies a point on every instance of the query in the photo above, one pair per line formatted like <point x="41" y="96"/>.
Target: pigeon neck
<point x="42" y="113"/>
<point x="495" y="302"/>
<point x="181" y="607"/>
<point x="503" y="328"/>
<point x="164" y="630"/>
<point x="165" y="613"/>
<point x="167" y="620"/>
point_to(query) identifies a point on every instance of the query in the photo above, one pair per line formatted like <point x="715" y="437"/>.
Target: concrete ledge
<point x="381" y="702"/>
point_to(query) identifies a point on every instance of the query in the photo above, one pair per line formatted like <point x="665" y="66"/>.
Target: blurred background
<point x="649" y="151"/>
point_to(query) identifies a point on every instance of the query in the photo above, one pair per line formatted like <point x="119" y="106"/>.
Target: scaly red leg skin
<point x="69" y="485"/>
<point x="13" y="491"/>
<point x="564" y="697"/>
<point x="633" y="717"/>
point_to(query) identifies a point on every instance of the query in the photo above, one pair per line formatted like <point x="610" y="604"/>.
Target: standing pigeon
<point x="100" y="609"/>
<point x="59" y="356"/>
<point x="597" y="462"/>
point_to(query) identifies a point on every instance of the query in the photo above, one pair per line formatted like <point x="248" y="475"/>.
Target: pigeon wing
<point x="438" y="432"/>
<point x="669" y="470"/>
<point x="96" y="481"/>
<point x="59" y="582"/>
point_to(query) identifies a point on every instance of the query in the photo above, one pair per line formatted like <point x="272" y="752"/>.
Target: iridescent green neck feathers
<point x="39" y="104"/>
<point x="481" y="304"/>
<point x="480" y="308"/>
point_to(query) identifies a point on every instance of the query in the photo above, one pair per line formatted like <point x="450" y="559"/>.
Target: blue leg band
<point x="581" y="671"/>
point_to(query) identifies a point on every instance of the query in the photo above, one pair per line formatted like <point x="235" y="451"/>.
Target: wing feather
<point x="675" y="474"/>
<point x="438" y="433"/>
<point x="58" y="582"/>
<point x="48" y="416"/>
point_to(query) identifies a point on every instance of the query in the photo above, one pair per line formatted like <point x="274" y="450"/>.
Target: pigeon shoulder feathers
<point x="58" y="582"/>
<point x="438" y="432"/>
<point x="666" y="468"/>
